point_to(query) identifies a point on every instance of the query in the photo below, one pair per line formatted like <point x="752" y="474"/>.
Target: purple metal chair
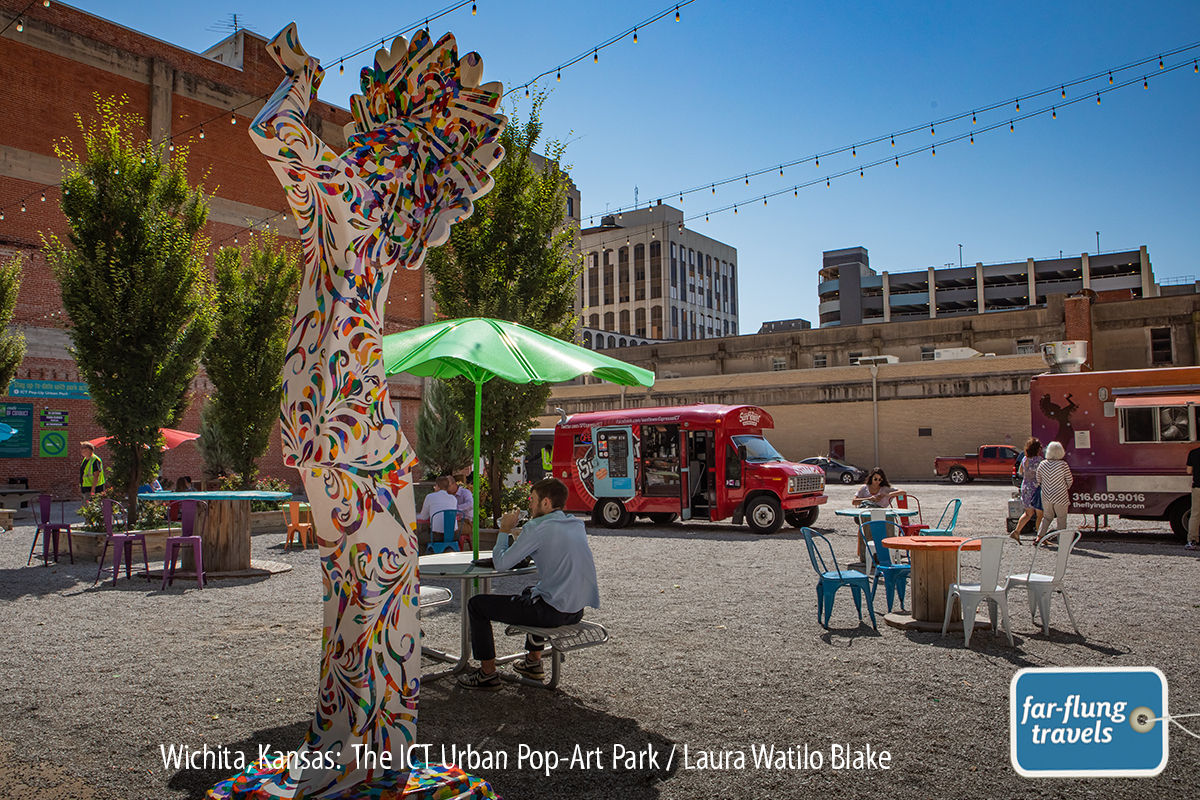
<point x="49" y="531"/>
<point x="187" y="520"/>
<point x="122" y="543"/>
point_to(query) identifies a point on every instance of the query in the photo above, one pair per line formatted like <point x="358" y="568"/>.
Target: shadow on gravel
<point x="198" y="781"/>
<point x="849" y="635"/>
<point x="542" y="720"/>
<point x="36" y="581"/>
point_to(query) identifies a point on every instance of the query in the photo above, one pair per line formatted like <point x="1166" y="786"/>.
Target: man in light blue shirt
<point x="558" y="543"/>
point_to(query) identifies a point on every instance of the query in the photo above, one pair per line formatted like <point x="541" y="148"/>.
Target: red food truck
<point x="695" y="462"/>
<point x="1127" y="435"/>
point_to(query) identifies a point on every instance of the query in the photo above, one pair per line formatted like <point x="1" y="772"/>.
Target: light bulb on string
<point x="897" y="162"/>
<point x="635" y="35"/>
<point x="735" y="210"/>
<point x="973" y="118"/>
<point x="43" y="197"/>
<point x="681" y="197"/>
<point x="1010" y="126"/>
<point x="1160" y="62"/>
<point x="1145" y="83"/>
<point x="853" y="152"/>
<point x="1064" y="92"/>
<point x="1110" y="79"/>
<point x="677" y="13"/>
<point x="232" y="119"/>
<point x="22" y="205"/>
<point x="1" y="216"/>
<point x="706" y="217"/>
<point x="681" y="227"/>
<point x="596" y="56"/>
<point x="795" y="192"/>
<point x="972" y="138"/>
<point x="1097" y="98"/>
<point x="1195" y="65"/>
<point x="860" y="173"/>
<point x="527" y="91"/>
<point x="714" y="188"/>
<point x="341" y="68"/>
<point x="560" y="76"/>
<point x="781" y="172"/>
<point x="827" y="184"/>
<point x="747" y="180"/>
<point x="1018" y="105"/>
<point x="931" y="133"/>
<point x="45" y="3"/>
<point x="201" y="131"/>
<point x="818" y="162"/>
<point x="472" y="9"/>
<point x="933" y="151"/>
<point x="1053" y="113"/>
<point x="20" y="25"/>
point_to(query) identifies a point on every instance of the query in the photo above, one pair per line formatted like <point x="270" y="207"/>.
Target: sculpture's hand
<point x="290" y="55"/>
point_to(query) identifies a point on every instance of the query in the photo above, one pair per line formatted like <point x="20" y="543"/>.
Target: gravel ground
<point x="715" y="645"/>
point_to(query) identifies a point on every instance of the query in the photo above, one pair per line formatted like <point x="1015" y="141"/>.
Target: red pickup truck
<point x="992" y="461"/>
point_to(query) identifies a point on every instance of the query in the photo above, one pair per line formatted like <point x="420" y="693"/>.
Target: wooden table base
<point x="932" y="573"/>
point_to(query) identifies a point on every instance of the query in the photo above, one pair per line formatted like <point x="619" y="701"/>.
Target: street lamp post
<point x="960" y="256"/>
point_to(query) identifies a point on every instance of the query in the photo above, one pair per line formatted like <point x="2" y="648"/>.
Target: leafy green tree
<point x="443" y="437"/>
<point x="256" y="298"/>
<point x="12" y="344"/>
<point x="211" y="444"/>
<point x="133" y="282"/>
<point x="512" y="259"/>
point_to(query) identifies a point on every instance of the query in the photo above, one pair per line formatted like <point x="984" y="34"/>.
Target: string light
<point x="341" y="67"/>
<point x="897" y="162"/>
<point x="1010" y="126"/>
<point x="43" y="197"/>
<point x="1145" y="83"/>
<point x="1160" y="62"/>
<point x="893" y="141"/>
<point x="1018" y="105"/>
<point x="1053" y="113"/>
<point x="677" y="13"/>
<point x="1110" y="78"/>
<point x="853" y="153"/>
<point x="827" y="184"/>
<point x="735" y="209"/>
<point x="472" y="9"/>
<point x="635" y="35"/>
<point x="20" y="25"/>
<point x="973" y="120"/>
<point x="747" y="180"/>
<point x="559" y="76"/>
<point x="818" y="162"/>
<point x="972" y="138"/>
<point x="232" y="119"/>
<point x="781" y="172"/>
<point x="22" y="205"/>
<point x="860" y="173"/>
<point x="1097" y="98"/>
<point x="201" y="131"/>
<point x="596" y="56"/>
<point x="931" y="133"/>
<point x="933" y="151"/>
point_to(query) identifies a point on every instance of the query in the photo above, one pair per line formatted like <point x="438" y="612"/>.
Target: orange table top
<point x="927" y="543"/>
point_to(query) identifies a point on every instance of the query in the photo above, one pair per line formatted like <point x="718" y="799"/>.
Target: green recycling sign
<point x="53" y="443"/>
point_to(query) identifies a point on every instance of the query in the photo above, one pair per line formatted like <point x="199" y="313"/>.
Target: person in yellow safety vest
<point x="91" y="471"/>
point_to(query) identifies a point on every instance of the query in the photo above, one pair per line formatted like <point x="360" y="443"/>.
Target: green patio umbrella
<point x="482" y="349"/>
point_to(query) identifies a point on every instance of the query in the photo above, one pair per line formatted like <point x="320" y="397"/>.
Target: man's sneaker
<point x="530" y="668"/>
<point x="1191" y="546"/>
<point x="477" y="680"/>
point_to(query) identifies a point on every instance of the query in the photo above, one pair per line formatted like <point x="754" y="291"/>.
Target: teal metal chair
<point x="830" y="580"/>
<point x="895" y="576"/>
<point x="942" y="529"/>
<point x="448" y="540"/>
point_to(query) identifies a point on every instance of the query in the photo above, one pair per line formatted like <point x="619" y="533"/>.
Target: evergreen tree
<point x="512" y="259"/>
<point x="211" y="444"/>
<point x="443" y="437"/>
<point x="12" y="344"/>
<point x="256" y="298"/>
<point x="133" y="283"/>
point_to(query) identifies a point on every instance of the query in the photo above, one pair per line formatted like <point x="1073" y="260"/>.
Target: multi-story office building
<point x="851" y="293"/>
<point x="647" y="275"/>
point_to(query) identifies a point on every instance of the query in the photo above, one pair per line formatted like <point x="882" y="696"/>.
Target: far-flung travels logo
<point x="1088" y="722"/>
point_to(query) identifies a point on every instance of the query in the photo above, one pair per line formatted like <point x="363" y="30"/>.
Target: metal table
<point x="862" y="515"/>
<point x="458" y="565"/>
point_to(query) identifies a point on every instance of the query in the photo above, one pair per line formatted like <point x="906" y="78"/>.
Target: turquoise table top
<point x="269" y="496"/>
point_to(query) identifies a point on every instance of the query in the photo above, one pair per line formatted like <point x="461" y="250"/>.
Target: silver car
<point x="837" y="471"/>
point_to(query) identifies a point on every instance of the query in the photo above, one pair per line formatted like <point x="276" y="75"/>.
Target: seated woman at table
<point x="876" y="492"/>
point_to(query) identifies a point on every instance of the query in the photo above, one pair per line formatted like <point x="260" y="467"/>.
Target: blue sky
<point x="737" y="87"/>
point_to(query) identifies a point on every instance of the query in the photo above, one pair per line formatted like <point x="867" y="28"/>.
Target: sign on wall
<point x="18" y="416"/>
<point x="72" y="390"/>
<point x="52" y="443"/>
<point x="54" y="419"/>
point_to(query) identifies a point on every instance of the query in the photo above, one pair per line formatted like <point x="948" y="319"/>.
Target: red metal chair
<point x="906" y="524"/>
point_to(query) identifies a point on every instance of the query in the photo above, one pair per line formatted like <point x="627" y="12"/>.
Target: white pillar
<point x="1087" y="270"/>
<point x="931" y="282"/>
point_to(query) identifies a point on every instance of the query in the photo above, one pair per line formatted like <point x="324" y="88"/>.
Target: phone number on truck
<point x="1101" y="497"/>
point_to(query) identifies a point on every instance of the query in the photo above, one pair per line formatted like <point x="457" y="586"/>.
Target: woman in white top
<point x="876" y="492"/>
<point x="1054" y="476"/>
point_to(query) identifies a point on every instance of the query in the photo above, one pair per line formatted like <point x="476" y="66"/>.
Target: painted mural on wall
<point x="424" y="137"/>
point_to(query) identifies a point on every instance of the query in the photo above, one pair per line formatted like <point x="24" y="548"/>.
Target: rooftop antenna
<point x="232" y="24"/>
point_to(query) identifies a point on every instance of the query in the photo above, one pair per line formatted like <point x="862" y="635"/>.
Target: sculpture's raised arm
<point x="279" y="129"/>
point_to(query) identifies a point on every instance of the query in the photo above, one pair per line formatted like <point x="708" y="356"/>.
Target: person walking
<point x="1193" y="469"/>
<point x="1055" y="479"/>
<point x="91" y="472"/>
<point x="1031" y="492"/>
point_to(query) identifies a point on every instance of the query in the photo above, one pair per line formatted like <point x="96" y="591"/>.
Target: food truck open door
<point x="613" y="462"/>
<point x="685" y="491"/>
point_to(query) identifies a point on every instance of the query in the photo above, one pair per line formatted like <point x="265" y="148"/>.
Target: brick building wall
<point x="51" y="71"/>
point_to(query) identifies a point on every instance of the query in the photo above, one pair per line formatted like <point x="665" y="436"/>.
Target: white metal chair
<point x="989" y="588"/>
<point x="1041" y="587"/>
<point x="433" y="596"/>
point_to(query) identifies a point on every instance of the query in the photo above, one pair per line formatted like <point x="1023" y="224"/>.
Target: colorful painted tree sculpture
<point x="423" y="140"/>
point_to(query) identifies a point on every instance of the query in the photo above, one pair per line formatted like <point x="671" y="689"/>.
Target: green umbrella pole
<point x="475" y="465"/>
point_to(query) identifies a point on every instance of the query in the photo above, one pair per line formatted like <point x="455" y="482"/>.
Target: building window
<point x="656" y="323"/>
<point x="608" y="281"/>
<point x="674" y="322"/>
<point x="570" y="206"/>
<point x="1160" y="346"/>
<point x="1157" y="424"/>
<point x="593" y="279"/>
<point x="927" y="354"/>
<point x="778" y="364"/>
<point x="610" y="322"/>
<point x="854" y="357"/>
<point x="594" y="321"/>
<point x="623" y="275"/>
<point x="624" y="325"/>
<point x="639" y="322"/>
<point x="726" y="326"/>
<point x="655" y="270"/>
<point x="1025" y="347"/>
<point x="639" y="271"/>
<point x="674" y="274"/>
<point x="820" y="360"/>
<point x="924" y="431"/>
<point x="710" y="305"/>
